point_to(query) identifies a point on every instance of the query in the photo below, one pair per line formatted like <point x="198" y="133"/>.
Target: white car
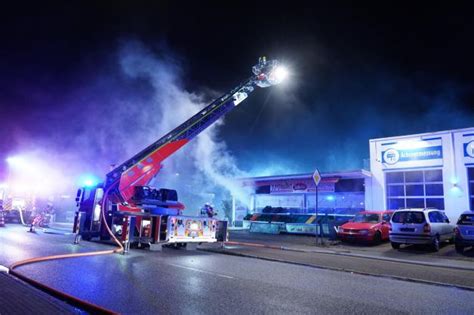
<point x="464" y="232"/>
<point x="420" y="226"/>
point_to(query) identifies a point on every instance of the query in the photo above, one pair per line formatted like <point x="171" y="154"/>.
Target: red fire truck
<point x="141" y="215"/>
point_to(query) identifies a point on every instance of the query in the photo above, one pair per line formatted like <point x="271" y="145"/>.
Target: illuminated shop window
<point x="415" y="189"/>
<point x="470" y="176"/>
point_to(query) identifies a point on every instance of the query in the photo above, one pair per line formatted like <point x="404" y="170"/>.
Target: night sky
<point x="357" y="72"/>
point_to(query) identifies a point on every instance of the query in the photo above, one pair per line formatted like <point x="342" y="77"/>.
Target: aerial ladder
<point x="126" y="208"/>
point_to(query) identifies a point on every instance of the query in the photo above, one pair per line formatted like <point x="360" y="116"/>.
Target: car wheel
<point x="395" y="245"/>
<point x="459" y="248"/>
<point x="377" y="238"/>
<point x="435" y="244"/>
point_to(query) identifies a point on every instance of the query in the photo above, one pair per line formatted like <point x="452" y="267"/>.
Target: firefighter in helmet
<point x="42" y="217"/>
<point x="207" y="210"/>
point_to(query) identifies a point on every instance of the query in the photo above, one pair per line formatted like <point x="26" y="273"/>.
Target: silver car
<point x="420" y="226"/>
<point x="464" y="232"/>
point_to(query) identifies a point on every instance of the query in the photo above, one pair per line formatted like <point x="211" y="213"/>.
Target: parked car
<point x="420" y="226"/>
<point x="464" y="231"/>
<point x="371" y="226"/>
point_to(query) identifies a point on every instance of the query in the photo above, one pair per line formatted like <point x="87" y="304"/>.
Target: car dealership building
<point x="415" y="171"/>
<point x="424" y="170"/>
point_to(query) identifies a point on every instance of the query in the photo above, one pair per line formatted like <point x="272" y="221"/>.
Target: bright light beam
<point x="17" y="161"/>
<point x="280" y="73"/>
<point x="269" y="72"/>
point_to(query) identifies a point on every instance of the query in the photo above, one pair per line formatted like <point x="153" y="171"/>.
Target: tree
<point x="227" y="208"/>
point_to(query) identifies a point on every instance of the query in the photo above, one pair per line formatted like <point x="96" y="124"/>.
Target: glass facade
<point x="337" y="202"/>
<point x="415" y="189"/>
<point x="282" y="203"/>
<point x="342" y="196"/>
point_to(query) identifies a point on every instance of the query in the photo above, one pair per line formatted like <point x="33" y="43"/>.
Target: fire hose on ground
<point x="87" y="306"/>
<point x="21" y="217"/>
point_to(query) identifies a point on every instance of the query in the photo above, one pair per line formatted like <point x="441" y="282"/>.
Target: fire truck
<point x="17" y="208"/>
<point x="124" y="207"/>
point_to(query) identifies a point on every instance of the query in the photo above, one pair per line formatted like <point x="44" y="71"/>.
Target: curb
<point x="441" y="284"/>
<point x="349" y="254"/>
<point x="412" y="262"/>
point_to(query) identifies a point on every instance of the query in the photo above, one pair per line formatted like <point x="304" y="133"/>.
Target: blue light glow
<point x="88" y="180"/>
<point x="330" y="198"/>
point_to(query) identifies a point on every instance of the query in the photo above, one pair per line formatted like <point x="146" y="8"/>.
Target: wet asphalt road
<point x="196" y="282"/>
<point x="403" y="271"/>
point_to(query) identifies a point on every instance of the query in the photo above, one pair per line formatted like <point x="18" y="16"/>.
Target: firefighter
<point x="207" y="210"/>
<point x="41" y="218"/>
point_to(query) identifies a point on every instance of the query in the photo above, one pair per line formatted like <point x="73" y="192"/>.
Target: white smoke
<point x="202" y="171"/>
<point x="125" y="106"/>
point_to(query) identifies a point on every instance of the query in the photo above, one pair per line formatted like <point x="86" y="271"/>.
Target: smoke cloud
<point x="128" y="104"/>
<point x="204" y="169"/>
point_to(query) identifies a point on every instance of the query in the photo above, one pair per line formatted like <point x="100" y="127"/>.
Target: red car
<point x="371" y="226"/>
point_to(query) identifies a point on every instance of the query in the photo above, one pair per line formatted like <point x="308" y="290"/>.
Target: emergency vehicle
<point x="125" y="208"/>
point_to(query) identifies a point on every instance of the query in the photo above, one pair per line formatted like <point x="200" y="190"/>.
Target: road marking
<point x="4" y="269"/>
<point x="203" y="271"/>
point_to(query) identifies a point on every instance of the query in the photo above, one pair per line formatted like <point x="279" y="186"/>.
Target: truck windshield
<point x="408" y="217"/>
<point x="367" y="217"/>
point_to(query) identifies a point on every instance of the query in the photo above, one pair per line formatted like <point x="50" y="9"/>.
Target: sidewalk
<point x="446" y="258"/>
<point x="17" y="297"/>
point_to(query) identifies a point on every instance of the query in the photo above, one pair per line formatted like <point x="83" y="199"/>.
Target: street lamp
<point x="17" y="161"/>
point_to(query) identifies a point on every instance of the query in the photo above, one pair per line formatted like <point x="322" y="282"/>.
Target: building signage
<point x="294" y="185"/>
<point x="411" y="152"/>
<point x="299" y="186"/>
<point x="289" y="186"/>
<point x="469" y="149"/>
<point x="392" y="156"/>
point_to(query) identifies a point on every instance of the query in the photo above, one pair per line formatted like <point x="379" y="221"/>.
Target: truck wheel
<point x="395" y="245"/>
<point x="178" y="245"/>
